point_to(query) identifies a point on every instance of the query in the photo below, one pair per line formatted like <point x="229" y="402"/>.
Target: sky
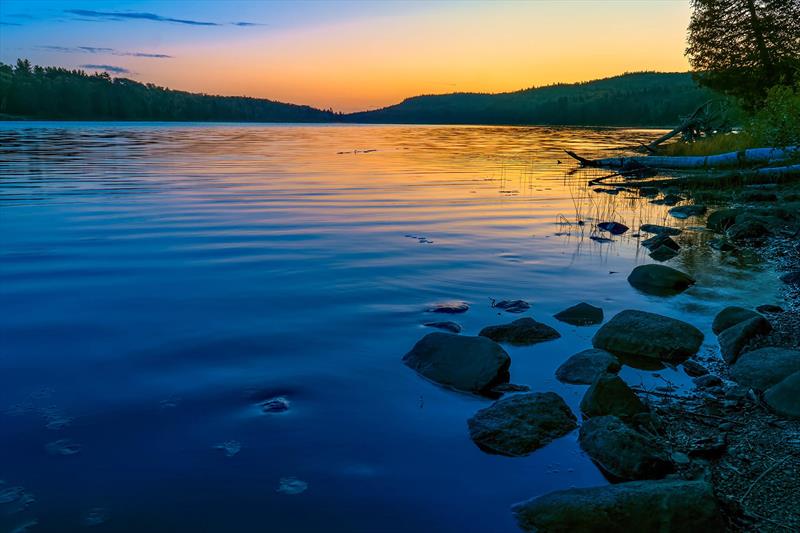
<point x="348" y="56"/>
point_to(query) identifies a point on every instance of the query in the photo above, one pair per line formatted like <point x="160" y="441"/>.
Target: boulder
<point x="643" y="334"/>
<point x="522" y="423"/>
<point x="666" y="506"/>
<point x="733" y="340"/>
<point x="659" y="230"/>
<point x="791" y="278"/>
<point x="622" y="452"/>
<point x="685" y="211"/>
<point x="513" y="306"/>
<point x="449" y="308"/>
<point x="521" y="332"/>
<point x="614" y="228"/>
<point x="663" y="253"/>
<point x="730" y="316"/>
<point x="585" y="367"/>
<point x="610" y="395"/>
<point x="581" y="314"/>
<point x="659" y="279"/>
<point x="469" y="364"/>
<point x="769" y="308"/>
<point x="660" y="240"/>
<point x="761" y="369"/>
<point x="452" y="327"/>
<point x="747" y="230"/>
<point x="694" y="369"/>
<point x="784" y="397"/>
<point x="721" y="220"/>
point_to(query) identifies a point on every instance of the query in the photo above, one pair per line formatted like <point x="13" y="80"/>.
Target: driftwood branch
<point x="743" y="158"/>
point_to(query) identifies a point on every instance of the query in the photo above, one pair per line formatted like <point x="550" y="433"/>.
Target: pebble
<point x="275" y="405"/>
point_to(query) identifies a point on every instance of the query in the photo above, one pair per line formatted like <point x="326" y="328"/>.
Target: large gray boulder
<point x="784" y="398"/>
<point x="622" y="452"/>
<point x="610" y="395"/>
<point x="761" y="369"/>
<point x="666" y="506"/>
<point x="521" y="332"/>
<point x="585" y="367"/>
<point x="730" y="316"/>
<point x="643" y="334"/>
<point x="582" y="314"/>
<point x="733" y="340"/>
<point x="660" y="280"/>
<point x="522" y="423"/>
<point x="469" y="364"/>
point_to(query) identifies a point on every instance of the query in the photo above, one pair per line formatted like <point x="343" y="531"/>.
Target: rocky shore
<point x="724" y="456"/>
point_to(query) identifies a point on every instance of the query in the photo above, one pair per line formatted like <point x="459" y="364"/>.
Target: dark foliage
<point x="745" y="47"/>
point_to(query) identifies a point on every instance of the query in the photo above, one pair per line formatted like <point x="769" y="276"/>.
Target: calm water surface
<point x="158" y="281"/>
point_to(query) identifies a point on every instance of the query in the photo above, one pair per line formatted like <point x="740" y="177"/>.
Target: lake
<point x="159" y="281"/>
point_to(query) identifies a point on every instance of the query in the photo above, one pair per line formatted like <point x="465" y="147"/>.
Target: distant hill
<point x="61" y="94"/>
<point x="636" y="99"/>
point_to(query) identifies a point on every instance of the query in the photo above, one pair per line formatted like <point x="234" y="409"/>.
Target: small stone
<point x="730" y="316"/>
<point x="661" y="239"/>
<point x="769" y="308"/>
<point x="63" y="447"/>
<point x="582" y="314"/>
<point x="450" y="308"/>
<point x="784" y="398"/>
<point x="614" y="228"/>
<point x="663" y="253"/>
<point x="229" y="447"/>
<point x="513" y="306"/>
<point x="505" y="388"/>
<point x="733" y="340"/>
<point x="694" y="369"/>
<point x="275" y="405"/>
<point x="452" y="327"/>
<point x="686" y="211"/>
<point x="680" y="458"/>
<point x="586" y="366"/>
<point x="610" y="395"/>
<point x="707" y="381"/>
<point x="659" y="230"/>
<point x="791" y="278"/>
<point x="291" y="486"/>
<point x="521" y="332"/>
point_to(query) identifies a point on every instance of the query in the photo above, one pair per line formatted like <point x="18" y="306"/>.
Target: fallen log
<point x="742" y="158"/>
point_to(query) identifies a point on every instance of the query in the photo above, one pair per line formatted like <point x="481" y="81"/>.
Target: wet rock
<point x="666" y="506"/>
<point x="621" y="451"/>
<point x="581" y="314"/>
<point x="647" y="192"/>
<point x="686" y="211"/>
<point x="707" y="381"/>
<point x="784" y="397"/>
<point x="291" y="486"/>
<point x="668" y="199"/>
<point x="230" y="447"/>
<point x="663" y="253"/>
<point x="734" y="339"/>
<point x="659" y="230"/>
<point x="521" y="332"/>
<point x="761" y="369"/>
<point x="505" y="388"/>
<point x="694" y="369"/>
<point x="769" y="308"/>
<point x="660" y="240"/>
<point x="722" y="245"/>
<point x="659" y="280"/>
<point x="452" y="327"/>
<point x="614" y="228"/>
<point x="63" y="447"/>
<point x="730" y="316"/>
<point x="747" y="230"/>
<point x="610" y="395"/>
<point x="275" y="405"/>
<point x="639" y="333"/>
<point x="513" y="306"/>
<point x="585" y="367"/>
<point x="721" y="220"/>
<point x="450" y="308"/>
<point x="469" y="364"/>
<point x="758" y="196"/>
<point x="791" y="278"/>
<point x="522" y="423"/>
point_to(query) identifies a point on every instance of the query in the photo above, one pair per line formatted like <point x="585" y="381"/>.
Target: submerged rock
<point x="761" y="369"/>
<point x="694" y="369"/>
<point x="469" y="364"/>
<point x="730" y="316"/>
<point x="522" y="423"/>
<point x="505" y="388"/>
<point x="668" y="199"/>
<point x="581" y="314"/>
<point x="623" y="452"/>
<point x="666" y="506"/>
<point x="521" y="332"/>
<point x="653" y="243"/>
<point x="291" y="486"/>
<point x="63" y="447"/>
<point x="769" y="308"/>
<point x="734" y="339"/>
<point x="722" y="245"/>
<point x="663" y="253"/>
<point x="659" y="230"/>
<point x="450" y="308"/>
<point x="747" y="230"/>
<point x="659" y="280"/>
<point x="586" y="366"/>
<point x="686" y="211"/>
<point x="513" y="306"/>
<point x="614" y="228"/>
<point x="721" y="220"/>
<point x="452" y="327"/>
<point x="275" y="405"/>
<point x="709" y="380"/>
<point x="791" y="278"/>
<point x="642" y="334"/>
<point x="230" y="447"/>
<point x="610" y="395"/>
<point x="784" y="397"/>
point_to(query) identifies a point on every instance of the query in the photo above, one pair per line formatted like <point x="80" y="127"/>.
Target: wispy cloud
<point x="102" y="50"/>
<point x="108" y="68"/>
<point x="88" y="14"/>
<point x="4" y="23"/>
